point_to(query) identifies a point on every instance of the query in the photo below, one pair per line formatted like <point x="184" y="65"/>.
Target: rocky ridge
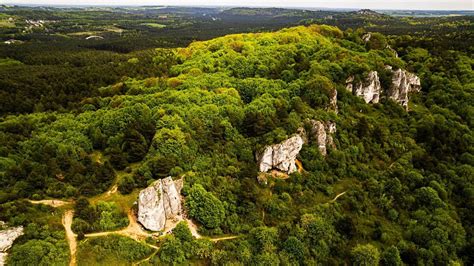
<point x="403" y="83"/>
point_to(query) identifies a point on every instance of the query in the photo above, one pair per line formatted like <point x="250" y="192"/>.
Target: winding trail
<point x="134" y="230"/>
<point x="337" y="196"/>
<point x="70" y="236"/>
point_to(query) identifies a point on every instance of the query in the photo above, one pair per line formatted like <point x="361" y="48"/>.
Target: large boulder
<point x="280" y="156"/>
<point x="403" y="83"/>
<point x="7" y="237"/>
<point x="151" y="208"/>
<point x="157" y="203"/>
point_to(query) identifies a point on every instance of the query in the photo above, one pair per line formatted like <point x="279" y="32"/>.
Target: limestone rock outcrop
<point x="369" y="90"/>
<point x="157" y="203"/>
<point x="321" y="133"/>
<point x="7" y="236"/>
<point x="280" y="156"/>
<point x="403" y="83"/>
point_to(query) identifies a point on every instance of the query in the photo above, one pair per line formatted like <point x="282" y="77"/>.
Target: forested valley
<point x="200" y="96"/>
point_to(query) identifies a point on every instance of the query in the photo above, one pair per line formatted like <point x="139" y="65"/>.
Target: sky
<point x="373" y="4"/>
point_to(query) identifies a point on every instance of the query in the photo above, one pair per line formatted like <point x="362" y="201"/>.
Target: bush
<point x="205" y="207"/>
<point x="365" y="255"/>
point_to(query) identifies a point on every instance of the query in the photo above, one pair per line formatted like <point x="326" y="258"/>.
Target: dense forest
<point x="395" y="188"/>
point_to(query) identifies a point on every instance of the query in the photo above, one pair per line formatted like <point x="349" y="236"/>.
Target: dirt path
<point x="112" y="190"/>
<point x="70" y="236"/>
<point x="217" y="239"/>
<point x="52" y="202"/>
<point x="193" y="228"/>
<point x="337" y="196"/>
<point x="145" y="259"/>
<point x="299" y="166"/>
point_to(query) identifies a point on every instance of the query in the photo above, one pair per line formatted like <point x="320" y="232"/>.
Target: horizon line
<point x="230" y="6"/>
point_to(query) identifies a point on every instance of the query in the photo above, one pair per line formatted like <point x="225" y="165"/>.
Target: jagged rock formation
<point x="322" y="134"/>
<point x="280" y="156"/>
<point x="7" y="237"/>
<point x="366" y="37"/>
<point x="403" y="83"/>
<point x="369" y="90"/>
<point x="157" y="203"/>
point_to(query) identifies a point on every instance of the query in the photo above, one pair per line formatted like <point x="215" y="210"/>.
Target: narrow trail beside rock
<point x="70" y="236"/>
<point x="193" y="228"/>
<point x="299" y="166"/>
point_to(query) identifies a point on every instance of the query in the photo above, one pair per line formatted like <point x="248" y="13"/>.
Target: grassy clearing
<point x="111" y="250"/>
<point x="154" y="25"/>
<point x="9" y="62"/>
<point x="4" y="23"/>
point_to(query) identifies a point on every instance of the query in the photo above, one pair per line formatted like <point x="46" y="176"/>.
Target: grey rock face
<point x="172" y="201"/>
<point x="370" y="89"/>
<point x="157" y="203"/>
<point x="403" y="83"/>
<point x="321" y="133"/>
<point x="7" y="237"/>
<point x="281" y="156"/>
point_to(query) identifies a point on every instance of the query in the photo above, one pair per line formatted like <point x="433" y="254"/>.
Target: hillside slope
<point x="402" y="179"/>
